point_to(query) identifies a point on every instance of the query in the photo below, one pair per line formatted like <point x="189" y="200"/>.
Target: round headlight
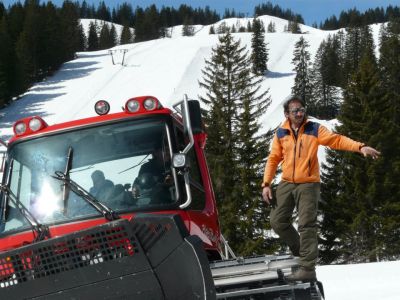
<point x="132" y="105"/>
<point x="150" y="104"/>
<point x="35" y="124"/>
<point x="20" y="128"/>
<point x="102" y="107"/>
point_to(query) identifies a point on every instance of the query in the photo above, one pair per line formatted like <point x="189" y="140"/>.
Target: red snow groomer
<point x="121" y="206"/>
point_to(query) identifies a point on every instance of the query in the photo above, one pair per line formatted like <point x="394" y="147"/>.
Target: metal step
<point x="242" y="278"/>
<point x="253" y="268"/>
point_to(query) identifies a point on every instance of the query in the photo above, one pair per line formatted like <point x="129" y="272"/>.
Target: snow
<point x="370" y="281"/>
<point x="169" y="68"/>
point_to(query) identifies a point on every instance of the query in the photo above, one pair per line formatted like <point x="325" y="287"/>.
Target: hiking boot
<point x="302" y="274"/>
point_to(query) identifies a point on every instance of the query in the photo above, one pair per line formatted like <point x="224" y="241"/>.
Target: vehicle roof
<point x="95" y="120"/>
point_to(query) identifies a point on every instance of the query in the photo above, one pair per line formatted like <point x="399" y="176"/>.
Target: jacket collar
<point x="286" y="124"/>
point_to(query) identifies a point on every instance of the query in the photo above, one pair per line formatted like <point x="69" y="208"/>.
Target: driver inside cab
<point x="154" y="178"/>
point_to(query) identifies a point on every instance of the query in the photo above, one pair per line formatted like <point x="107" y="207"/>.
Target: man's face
<point x="296" y="113"/>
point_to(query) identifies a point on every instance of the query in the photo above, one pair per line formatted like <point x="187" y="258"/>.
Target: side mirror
<point x="196" y="121"/>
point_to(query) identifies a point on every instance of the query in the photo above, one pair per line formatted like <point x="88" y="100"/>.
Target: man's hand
<point x="267" y="194"/>
<point x="369" y="151"/>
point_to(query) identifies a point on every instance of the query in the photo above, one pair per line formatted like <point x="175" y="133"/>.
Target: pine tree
<point x="27" y="46"/>
<point x="358" y="41"/>
<point x="222" y="28"/>
<point x="301" y="62"/>
<point x="234" y="103"/>
<point x="105" y="41"/>
<point x="51" y="55"/>
<point x="249" y="28"/>
<point x="271" y="27"/>
<point x="6" y="54"/>
<point x="93" y="39"/>
<point x="212" y="31"/>
<point x="259" y="54"/>
<point x="188" y="28"/>
<point x="356" y="185"/>
<point x="293" y="26"/>
<point x="82" y="43"/>
<point x="113" y="36"/>
<point x="389" y="66"/>
<point x="325" y="81"/>
<point x="70" y="29"/>
<point x="126" y="35"/>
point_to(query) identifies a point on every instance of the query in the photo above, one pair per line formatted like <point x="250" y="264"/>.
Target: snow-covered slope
<point x="166" y="68"/>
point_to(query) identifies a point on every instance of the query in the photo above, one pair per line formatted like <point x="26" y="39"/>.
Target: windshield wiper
<point x="42" y="231"/>
<point x="68" y="166"/>
<point x="107" y="212"/>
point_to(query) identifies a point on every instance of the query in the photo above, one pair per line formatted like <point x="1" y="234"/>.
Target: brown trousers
<point x="304" y="197"/>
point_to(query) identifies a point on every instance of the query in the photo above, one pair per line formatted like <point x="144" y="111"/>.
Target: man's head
<point x="295" y="111"/>
<point x="98" y="178"/>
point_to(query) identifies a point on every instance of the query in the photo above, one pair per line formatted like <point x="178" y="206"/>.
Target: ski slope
<point x="168" y="68"/>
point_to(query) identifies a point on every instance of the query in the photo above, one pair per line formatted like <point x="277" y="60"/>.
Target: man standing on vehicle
<point x="295" y="144"/>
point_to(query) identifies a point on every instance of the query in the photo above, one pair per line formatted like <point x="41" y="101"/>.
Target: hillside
<point x="166" y="68"/>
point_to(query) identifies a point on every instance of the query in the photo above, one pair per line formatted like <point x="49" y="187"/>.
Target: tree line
<point x="354" y="18"/>
<point x="35" y="40"/>
<point x="348" y="80"/>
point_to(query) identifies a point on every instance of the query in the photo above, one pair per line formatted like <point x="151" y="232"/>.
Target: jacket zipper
<point x="301" y="146"/>
<point x="309" y="168"/>
<point x="294" y="157"/>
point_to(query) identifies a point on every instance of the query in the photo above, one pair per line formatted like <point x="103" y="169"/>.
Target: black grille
<point x="79" y="250"/>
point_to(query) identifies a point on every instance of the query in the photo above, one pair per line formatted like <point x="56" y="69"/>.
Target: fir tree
<point x="188" y="28"/>
<point x="51" y="55"/>
<point x="70" y="29"/>
<point x="259" y="54"/>
<point x="249" y="28"/>
<point x="105" y="41"/>
<point x="358" y="41"/>
<point x="271" y="27"/>
<point x="234" y="103"/>
<point x="325" y="79"/>
<point x="113" y="36"/>
<point x="82" y="44"/>
<point x="6" y="55"/>
<point x="126" y="35"/>
<point x="359" y="186"/>
<point x="222" y="28"/>
<point x="293" y="26"/>
<point x="93" y="39"/>
<point x="212" y="31"/>
<point x="28" y="44"/>
<point x="389" y="66"/>
<point x="301" y="62"/>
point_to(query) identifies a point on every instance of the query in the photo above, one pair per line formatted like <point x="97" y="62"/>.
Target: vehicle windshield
<point x="126" y="166"/>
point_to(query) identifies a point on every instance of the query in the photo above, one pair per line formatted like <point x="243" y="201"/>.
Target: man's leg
<point x="307" y="196"/>
<point x="281" y="216"/>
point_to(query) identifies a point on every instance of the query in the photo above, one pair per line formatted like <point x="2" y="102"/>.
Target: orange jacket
<point x="299" y="156"/>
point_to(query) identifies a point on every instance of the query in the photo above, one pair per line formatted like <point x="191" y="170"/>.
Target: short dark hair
<point x="291" y="99"/>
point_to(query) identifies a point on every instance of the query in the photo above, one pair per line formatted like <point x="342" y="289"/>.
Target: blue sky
<point x="311" y="10"/>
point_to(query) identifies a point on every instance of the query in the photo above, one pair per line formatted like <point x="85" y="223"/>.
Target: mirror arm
<point x="186" y="120"/>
